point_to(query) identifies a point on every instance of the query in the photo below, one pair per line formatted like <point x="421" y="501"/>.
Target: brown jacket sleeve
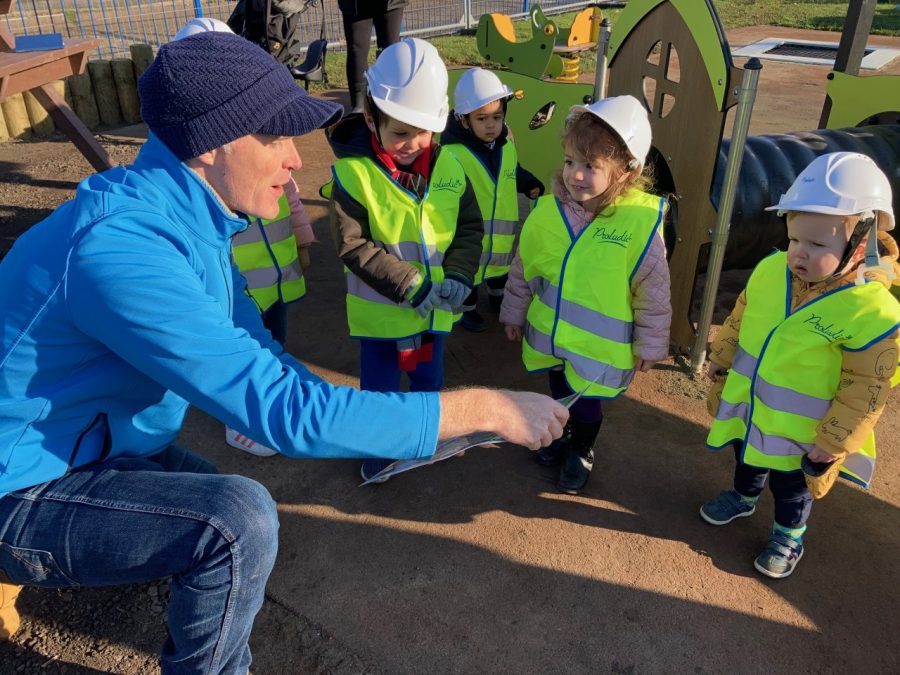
<point x="381" y="270"/>
<point x="724" y="347"/>
<point x="864" y="389"/>
<point x="723" y="350"/>
<point x="464" y="253"/>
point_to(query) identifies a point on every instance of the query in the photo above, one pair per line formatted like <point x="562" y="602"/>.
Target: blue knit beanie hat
<point x="209" y="89"/>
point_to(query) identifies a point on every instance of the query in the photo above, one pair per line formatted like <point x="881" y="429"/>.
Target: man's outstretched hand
<point x="521" y="417"/>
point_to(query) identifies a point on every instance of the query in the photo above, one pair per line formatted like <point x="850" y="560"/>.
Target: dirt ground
<point x="478" y="565"/>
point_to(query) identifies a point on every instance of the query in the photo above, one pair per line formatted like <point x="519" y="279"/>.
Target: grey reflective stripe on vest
<point x="412" y="251"/>
<point x="860" y="464"/>
<point x="498" y="259"/>
<point x="776" y="446"/>
<point x="275" y="231"/>
<point x="772" y="396"/>
<point x="590" y="320"/>
<point x="591" y="370"/>
<point x="790" y="401"/>
<point x="504" y="226"/>
<point x="269" y="276"/>
<point x="744" y="363"/>
<point x="360" y="289"/>
<point x="727" y="411"/>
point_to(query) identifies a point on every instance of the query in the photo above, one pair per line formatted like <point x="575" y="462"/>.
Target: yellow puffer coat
<point x="865" y="375"/>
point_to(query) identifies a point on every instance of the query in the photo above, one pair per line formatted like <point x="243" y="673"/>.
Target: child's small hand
<point x="820" y="456"/>
<point x="303" y="257"/>
<point x="643" y="365"/>
<point x="714" y="371"/>
<point x="513" y="333"/>
<point x="534" y="193"/>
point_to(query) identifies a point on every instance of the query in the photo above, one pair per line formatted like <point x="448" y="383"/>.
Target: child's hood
<point x="457" y="133"/>
<point x="350" y="138"/>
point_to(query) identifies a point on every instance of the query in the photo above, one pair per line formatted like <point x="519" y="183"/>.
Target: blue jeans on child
<point x="793" y="502"/>
<point x="133" y="520"/>
<point x="380" y="369"/>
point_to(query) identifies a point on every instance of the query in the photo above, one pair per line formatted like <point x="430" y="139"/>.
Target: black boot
<point x="579" y="459"/>
<point x="496" y="302"/>
<point x="473" y="321"/>
<point x="551" y="455"/>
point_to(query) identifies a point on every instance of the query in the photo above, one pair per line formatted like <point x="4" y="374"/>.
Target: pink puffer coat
<point x="650" y="292"/>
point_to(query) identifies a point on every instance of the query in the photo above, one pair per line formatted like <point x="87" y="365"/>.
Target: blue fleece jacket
<point x="122" y="308"/>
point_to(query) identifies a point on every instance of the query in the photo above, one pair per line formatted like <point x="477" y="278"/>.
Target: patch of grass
<point x="460" y="50"/>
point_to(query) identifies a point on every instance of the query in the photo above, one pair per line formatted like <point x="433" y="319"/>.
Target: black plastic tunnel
<point x="770" y="165"/>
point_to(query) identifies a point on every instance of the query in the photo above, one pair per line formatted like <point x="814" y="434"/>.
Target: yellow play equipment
<point x="550" y="51"/>
<point x="580" y="37"/>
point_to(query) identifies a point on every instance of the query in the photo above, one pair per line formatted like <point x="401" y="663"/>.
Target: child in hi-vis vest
<point x="405" y="221"/>
<point x="270" y="254"/>
<point x="803" y="365"/>
<point x="477" y="134"/>
<point x="588" y="291"/>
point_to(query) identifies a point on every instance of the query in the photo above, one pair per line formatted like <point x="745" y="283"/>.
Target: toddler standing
<point x="803" y="364"/>
<point x="588" y="291"/>
<point x="405" y="222"/>
<point x="477" y="134"/>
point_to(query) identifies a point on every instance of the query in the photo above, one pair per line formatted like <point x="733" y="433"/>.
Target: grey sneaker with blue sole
<point x="780" y="556"/>
<point x="725" y="508"/>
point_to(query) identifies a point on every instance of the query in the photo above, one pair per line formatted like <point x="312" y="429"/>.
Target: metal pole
<point x="602" y="72"/>
<point x="746" y="96"/>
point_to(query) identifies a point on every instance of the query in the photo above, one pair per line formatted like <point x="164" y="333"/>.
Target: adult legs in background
<point x="141" y="519"/>
<point x="359" y="18"/>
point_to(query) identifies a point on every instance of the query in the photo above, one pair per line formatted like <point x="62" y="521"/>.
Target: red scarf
<point x="408" y="177"/>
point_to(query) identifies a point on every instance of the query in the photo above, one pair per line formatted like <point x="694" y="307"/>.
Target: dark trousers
<point x="586" y="410"/>
<point x="792" y="499"/>
<point x="358" y="32"/>
<point x="275" y="321"/>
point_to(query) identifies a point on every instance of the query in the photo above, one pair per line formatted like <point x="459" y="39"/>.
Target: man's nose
<point x="292" y="160"/>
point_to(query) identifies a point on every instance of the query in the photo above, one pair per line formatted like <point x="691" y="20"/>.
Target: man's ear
<point x="206" y="160"/>
<point x="370" y="122"/>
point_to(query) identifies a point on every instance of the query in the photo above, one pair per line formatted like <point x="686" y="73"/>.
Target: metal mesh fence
<point x="120" y="23"/>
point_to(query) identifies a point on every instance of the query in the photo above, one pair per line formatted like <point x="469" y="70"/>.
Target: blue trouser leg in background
<point x="133" y="520"/>
<point x="379" y="368"/>
<point x="793" y="502"/>
<point x="275" y="321"/>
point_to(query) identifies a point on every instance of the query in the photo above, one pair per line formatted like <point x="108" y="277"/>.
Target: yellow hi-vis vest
<point x="580" y="314"/>
<point x="499" y="204"/>
<point x="266" y="255"/>
<point x="788" y="367"/>
<point x="417" y="231"/>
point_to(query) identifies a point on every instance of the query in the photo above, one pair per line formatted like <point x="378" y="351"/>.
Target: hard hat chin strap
<point x="862" y="227"/>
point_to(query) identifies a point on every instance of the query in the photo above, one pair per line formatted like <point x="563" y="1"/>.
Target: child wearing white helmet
<point x="477" y="134"/>
<point x="804" y="363"/>
<point x="405" y="221"/>
<point x="588" y="291"/>
<point x="271" y="254"/>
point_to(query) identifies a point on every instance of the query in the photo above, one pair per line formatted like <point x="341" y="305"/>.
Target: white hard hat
<point x="202" y="24"/>
<point x="627" y="117"/>
<point x="408" y="82"/>
<point x="476" y="88"/>
<point x="842" y="184"/>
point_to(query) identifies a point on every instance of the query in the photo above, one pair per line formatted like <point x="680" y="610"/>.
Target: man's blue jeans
<point x="132" y="520"/>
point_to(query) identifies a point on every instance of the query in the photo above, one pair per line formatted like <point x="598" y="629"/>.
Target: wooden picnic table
<point x="33" y="71"/>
